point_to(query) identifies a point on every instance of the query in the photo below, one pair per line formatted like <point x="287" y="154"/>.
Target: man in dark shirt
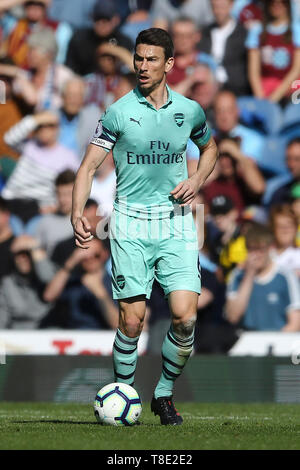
<point x="6" y="238"/>
<point x="81" y="55"/>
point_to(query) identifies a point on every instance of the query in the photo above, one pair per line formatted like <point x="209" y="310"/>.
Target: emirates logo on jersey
<point x="179" y="119"/>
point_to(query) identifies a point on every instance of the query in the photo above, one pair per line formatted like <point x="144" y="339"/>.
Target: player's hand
<point x="82" y="232"/>
<point x="186" y="191"/>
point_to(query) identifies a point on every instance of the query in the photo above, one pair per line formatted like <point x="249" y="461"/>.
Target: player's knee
<point x="184" y="327"/>
<point x="133" y="327"/>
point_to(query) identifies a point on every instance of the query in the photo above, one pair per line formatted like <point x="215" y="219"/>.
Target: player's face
<point x="151" y="66"/>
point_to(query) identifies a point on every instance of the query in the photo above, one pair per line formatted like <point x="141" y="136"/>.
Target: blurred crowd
<point x="62" y="62"/>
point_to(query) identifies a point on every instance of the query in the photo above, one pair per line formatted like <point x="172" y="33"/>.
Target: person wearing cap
<point x="35" y="18"/>
<point x="227" y="246"/>
<point x="81" y="55"/>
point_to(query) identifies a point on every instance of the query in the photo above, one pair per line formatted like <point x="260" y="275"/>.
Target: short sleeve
<point x="234" y="281"/>
<point x="252" y="40"/>
<point x="107" y="130"/>
<point x="296" y="34"/>
<point x="201" y="133"/>
<point x="293" y="290"/>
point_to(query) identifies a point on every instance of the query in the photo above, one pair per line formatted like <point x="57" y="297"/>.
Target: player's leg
<point x="176" y="349"/>
<point x="178" y="343"/>
<point x="125" y="354"/>
<point x="132" y="277"/>
<point x="177" y="271"/>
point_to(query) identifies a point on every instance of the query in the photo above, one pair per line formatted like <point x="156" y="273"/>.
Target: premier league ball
<point x="117" y="404"/>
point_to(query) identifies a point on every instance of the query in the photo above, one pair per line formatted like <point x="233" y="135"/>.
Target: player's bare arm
<point x="93" y="158"/>
<point x="186" y="190"/>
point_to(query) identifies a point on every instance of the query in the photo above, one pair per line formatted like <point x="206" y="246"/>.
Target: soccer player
<point x="151" y="229"/>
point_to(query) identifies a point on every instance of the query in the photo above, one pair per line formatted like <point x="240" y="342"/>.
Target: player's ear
<point x="169" y="64"/>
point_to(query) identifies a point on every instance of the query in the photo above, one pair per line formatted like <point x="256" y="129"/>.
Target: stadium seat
<point x="273" y="161"/>
<point x="261" y="115"/>
<point x="290" y="119"/>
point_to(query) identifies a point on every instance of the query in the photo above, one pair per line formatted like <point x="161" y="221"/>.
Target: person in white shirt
<point x="284" y="224"/>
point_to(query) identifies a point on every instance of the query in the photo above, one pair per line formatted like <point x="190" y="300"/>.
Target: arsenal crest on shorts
<point x="121" y="281"/>
<point x="179" y="118"/>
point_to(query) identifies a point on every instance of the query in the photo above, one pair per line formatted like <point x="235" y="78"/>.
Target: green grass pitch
<point x="206" y="426"/>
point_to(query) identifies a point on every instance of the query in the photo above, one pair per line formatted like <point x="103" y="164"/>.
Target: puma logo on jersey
<point x="138" y="122"/>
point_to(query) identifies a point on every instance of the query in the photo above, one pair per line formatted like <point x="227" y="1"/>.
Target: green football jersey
<point x="149" y="149"/>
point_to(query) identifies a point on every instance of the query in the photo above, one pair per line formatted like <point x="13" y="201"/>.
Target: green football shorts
<point x="142" y="250"/>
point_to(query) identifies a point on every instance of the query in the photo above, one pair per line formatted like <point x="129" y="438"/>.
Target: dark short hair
<point x="294" y="140"/>
<point x="4" y="206"/>
<point x="156" y="37"/>
<point x="65" y="177"/>
<point x="259" y="234"/>
<point x="91" y="203"/>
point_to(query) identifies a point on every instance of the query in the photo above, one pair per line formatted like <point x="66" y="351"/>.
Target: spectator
<point x="42" y="159"/>
<point x="125" y="84"/>
<point x="201" y="85"/>
<point x="84" y="43"/>
<point x="282" y="193"/>
<point x="65" y="248"/>
<point x="251" y="14"/>
<point x="21" y="303"/>
<point x="47" y="78"/>
<point x="82" y="301"/>
<point x="224" y="39"/>
<point x="227" y="122"/>
<point x="13" y="109"/>
<point x="274" y="52"/>
<point x="55" y="227"/>
<point x="295" y="205"/>
<point x="7" y="20"/>
<point x="186" y="36"/>
<point x="76" y="119"/>
<point x="101" y="84"/>
<point x="35" y="19"/>
<point x="164" y="12"/>
<point x="227" y="245"/>
<point x="284" y="226"/>
<point x="77" y="14"/>
<point x="262" y="296"/>
<point x="238" y="178"/>
<point x="104" y="185"/>
<point x="6" y="239"/>
<point x="136" y="17"/>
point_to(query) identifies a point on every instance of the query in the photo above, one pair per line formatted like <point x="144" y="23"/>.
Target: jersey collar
<point x="143" y="100"/>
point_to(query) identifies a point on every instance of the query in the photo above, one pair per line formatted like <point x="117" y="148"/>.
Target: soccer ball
<point x="117" y="404"/>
